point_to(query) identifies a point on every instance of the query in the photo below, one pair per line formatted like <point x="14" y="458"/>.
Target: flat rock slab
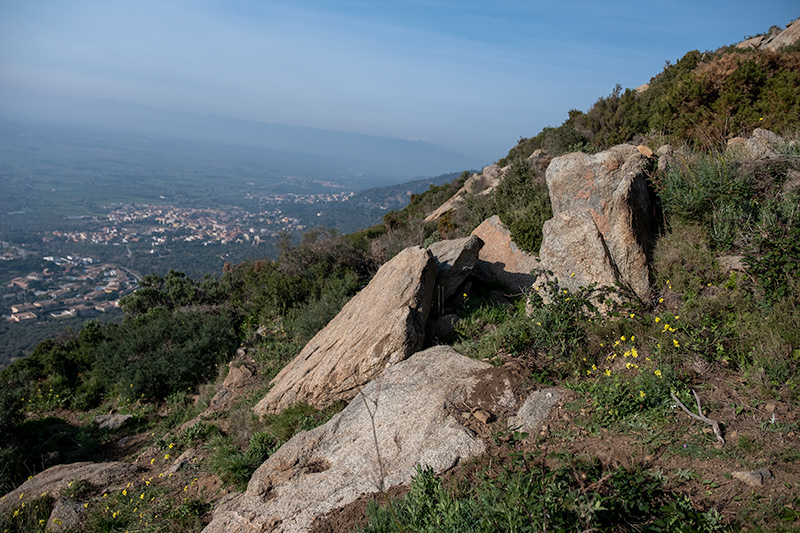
<point x="54" y="481"/>
<point x="404" y="414"/>
<point x="382" y="325"/>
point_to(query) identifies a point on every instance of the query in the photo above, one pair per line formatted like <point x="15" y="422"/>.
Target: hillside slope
<point x="719" y="328"/>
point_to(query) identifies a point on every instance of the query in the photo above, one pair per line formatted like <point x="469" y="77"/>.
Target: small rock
<point x="535" y="410"/>
<point x="644" y="150"/>
<point x="112" y="421"/>
<point x="67" y="515"/>
<point x="770" y="407"/>
<point x="507" y="399"/>
<point x="185" y="458"/>
<point x="482" y="416"/>
<point x="755" y="478"/>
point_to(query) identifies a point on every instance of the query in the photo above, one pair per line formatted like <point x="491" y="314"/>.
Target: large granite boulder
<point x="382" y="325"/>
<point x="501" y="259"/>
<point x="399" y="420"/>
<point x="604" y="220"/>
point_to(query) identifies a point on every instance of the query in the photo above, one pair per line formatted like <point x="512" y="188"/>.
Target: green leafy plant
<point x="527" y="495"/>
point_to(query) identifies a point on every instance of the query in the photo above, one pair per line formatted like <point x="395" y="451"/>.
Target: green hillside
<point x="733" y="335"/>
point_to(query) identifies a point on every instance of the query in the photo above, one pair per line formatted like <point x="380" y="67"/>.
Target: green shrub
<point x="486" y="330"/>
<point x="560" y="319"/>
<point x="235" y="467"/>
<point x="684" y="263"/>
<point x="640" y="387"/>
<point x="29" y="517"/>
<point x="523" y="205"/>
<point x="774" y="258"/>
<point x="158" y="353"/>
<point x="527" y="495"/>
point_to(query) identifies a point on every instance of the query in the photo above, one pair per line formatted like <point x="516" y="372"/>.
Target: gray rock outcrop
<point x="403" y="414"/>
<point x="482" y="183"/>
<point x="604" y="223"/>
<point x="775" y="39"/>
<point x="762" y="144"/>
<point x="55" y="480"/>
<point x="380" y="326"/>
<point x="455" y="260"/>
<point x="501" y="259"/>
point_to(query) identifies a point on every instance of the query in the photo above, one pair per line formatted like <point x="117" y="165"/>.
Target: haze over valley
<point x="88" y="210"/>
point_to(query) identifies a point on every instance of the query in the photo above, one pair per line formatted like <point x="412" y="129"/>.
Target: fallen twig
<point x="701" y="417"/>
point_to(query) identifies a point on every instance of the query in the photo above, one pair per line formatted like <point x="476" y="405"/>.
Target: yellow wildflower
<point x="642" y="394"/>
<point x="657" y="373"/>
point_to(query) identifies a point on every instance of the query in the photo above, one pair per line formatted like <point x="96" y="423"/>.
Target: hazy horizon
<point x="469" y="76"/>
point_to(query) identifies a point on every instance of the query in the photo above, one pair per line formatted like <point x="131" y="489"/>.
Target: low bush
<point x="235" y="467"/>
<point x="527" y="495"/>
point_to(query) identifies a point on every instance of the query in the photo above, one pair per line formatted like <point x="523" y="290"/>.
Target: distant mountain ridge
<point x="395" y="159"/>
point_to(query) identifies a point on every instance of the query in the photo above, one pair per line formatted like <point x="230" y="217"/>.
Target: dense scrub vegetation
<point x="724" y="320"/>
<point x="703" y="100"/>
<point x="176" y="334"/>
<point x="707" y="327"/>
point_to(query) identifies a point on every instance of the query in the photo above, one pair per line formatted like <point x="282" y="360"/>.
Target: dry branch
<point x="701" y="417"/>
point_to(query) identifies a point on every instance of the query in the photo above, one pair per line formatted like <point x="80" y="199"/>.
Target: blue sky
<point x="474" y="76"/>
